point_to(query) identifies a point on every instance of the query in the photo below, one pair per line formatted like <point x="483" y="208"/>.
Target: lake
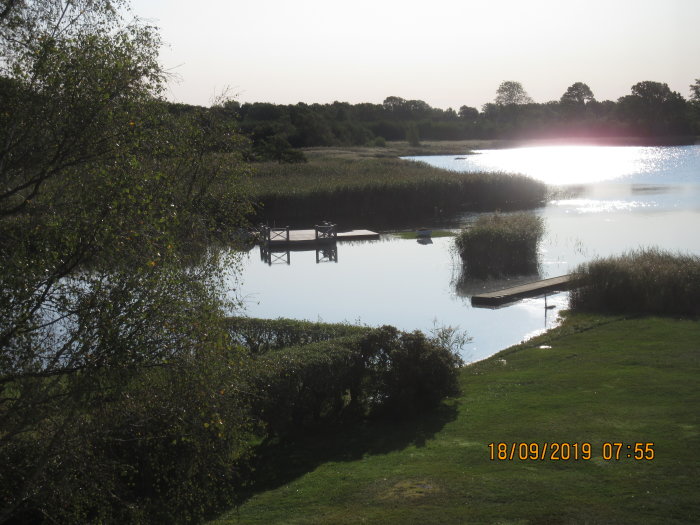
<point x="611" y="200"/>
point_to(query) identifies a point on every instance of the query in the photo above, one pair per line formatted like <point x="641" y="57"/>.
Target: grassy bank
<point x="596" y="379"/>
<point x="337" y="187"/>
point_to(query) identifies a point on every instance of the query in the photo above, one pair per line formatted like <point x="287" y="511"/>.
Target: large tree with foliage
<point x="654" y="109"/>
<point x="99" y="186"/>
<point x="577" y="93"/>
<point x="511" y="92"/>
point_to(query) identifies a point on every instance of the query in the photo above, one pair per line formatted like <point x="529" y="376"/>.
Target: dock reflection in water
<point x="276" y="244"/>
<point x="328" y="252"/>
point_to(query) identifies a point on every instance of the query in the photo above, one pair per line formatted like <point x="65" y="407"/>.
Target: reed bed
<point x="336" y="188"/>
<point x="650" y="281"/>
<point x="499" y="245"/>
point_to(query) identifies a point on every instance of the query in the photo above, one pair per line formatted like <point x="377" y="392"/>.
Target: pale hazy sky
<point x="447" y="53"/>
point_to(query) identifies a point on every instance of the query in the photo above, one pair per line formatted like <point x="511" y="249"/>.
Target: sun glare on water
<point x="565" y="164"/>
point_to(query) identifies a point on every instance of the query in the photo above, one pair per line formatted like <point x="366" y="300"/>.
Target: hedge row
<point x="175" y="441"/>
<point x="262" y="335"/>
<point x="383" y="371"/>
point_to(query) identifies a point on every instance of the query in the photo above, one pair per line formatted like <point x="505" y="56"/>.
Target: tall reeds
<point x="500" y="245"/>
<point x="339" y="188"/>
<point x="648" y="280"/>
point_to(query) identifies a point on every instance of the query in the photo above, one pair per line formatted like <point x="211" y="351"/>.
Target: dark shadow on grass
<point x="281" y="461"/>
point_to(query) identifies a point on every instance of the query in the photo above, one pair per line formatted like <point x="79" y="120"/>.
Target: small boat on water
<point x="423" y="232"/>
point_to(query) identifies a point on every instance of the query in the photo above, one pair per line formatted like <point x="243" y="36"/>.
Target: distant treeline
<point x="652" y="112"/>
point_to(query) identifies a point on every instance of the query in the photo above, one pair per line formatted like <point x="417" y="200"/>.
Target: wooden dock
<point x="322" y="234"/>
<point x="508" y="295"/>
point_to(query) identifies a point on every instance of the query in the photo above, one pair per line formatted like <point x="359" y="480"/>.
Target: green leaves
<point x="106" y="209"/>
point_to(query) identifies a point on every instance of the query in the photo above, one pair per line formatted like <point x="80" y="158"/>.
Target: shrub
<point x="379" y="371"/>
<point x="296" y="387"/>
<point x="165" y="447"/>
<point x="182" y="440"/>
<point x="412" y="135"/>
<point x="406" y="372"/>
<point x="498" y="245"/>
<point x="644" y="281"/>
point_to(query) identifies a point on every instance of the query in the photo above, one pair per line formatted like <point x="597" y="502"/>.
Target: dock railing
<point x="275" y="234"/>
<point x="326" y="231"/>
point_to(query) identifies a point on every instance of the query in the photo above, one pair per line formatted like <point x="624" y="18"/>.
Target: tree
<point x="511" y="92"/>
<point x="468" y="113"/>
<point x="654" y="109"/>
<point x="695" y="106"/>
<point x="412" y="134"/>
<point x="577" y="93"/>
<point x="394" y="104"/>
<point x="695" y="91"/>
<point x="403" y="109"/>
<point x="101" y="191"/>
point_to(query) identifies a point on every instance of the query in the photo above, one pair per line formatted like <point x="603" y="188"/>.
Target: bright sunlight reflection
<point x="566" y="164"/>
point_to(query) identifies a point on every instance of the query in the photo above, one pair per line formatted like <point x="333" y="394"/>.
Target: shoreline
<point x="398" y="149"/>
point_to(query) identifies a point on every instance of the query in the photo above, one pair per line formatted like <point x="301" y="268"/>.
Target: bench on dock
<point x="326" y="231"/>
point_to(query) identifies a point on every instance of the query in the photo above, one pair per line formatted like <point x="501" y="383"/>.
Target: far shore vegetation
<point x="651" y="114"/>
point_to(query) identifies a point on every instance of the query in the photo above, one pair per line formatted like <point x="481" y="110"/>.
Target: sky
<point x="446" y="53"/>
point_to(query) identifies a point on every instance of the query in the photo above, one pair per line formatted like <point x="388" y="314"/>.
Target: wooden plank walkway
<point x="308" y="237"/>
<point x="506" y="295"/>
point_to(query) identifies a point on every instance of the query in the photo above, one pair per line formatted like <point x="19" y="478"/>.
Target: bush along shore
<point x="382" y="189"/>
<point x="498" y="245"/>
<point x="179" y="440"/>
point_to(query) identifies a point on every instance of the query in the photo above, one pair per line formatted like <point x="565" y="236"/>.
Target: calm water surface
<point x="614" y="199"/>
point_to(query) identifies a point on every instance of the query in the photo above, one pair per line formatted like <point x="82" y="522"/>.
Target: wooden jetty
<point x="321" y="234"/>
<point x="509" y="295"/>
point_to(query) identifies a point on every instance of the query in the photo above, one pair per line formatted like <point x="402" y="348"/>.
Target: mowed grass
<point x="595" y="379"/>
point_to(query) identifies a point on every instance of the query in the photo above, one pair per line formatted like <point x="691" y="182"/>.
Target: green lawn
<point x="602" y="379"/>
